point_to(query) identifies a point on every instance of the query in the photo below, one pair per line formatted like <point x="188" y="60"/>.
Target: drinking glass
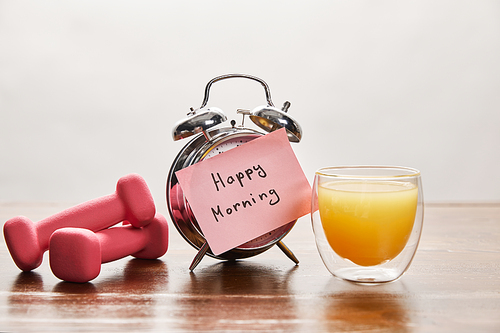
<point x="367" y="220"/>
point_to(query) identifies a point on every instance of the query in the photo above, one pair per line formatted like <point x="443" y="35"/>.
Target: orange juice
<point x="368" y="223"/>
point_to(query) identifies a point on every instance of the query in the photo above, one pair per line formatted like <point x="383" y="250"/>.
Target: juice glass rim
<point x="371" y="172"/>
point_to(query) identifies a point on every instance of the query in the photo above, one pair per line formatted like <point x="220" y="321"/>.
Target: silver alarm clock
<point x="208" y="140"/>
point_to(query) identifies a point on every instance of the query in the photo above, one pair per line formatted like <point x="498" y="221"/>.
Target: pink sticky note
<point x="247" y="191"/>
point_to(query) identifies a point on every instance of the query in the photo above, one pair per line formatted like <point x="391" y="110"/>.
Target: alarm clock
<point x="208" y="140"/>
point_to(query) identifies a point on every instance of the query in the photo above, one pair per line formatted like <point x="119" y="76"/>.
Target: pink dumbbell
<point x="132" y="201"/>
<point x="76" y="254"/>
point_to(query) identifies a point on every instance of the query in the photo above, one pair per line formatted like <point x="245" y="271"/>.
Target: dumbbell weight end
<point x="21" y="238"/>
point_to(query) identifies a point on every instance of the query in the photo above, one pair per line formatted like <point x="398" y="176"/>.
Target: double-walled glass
<point x="367" y="220"/>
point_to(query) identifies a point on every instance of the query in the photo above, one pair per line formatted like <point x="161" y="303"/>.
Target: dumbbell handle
<point x="96" y="214"/>
<point x="120" y="242"/>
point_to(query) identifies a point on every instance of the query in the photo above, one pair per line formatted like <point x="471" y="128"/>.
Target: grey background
<point x="90" y="90"/>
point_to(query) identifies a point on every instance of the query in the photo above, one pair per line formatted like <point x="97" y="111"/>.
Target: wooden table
<point x="453" y="285"/>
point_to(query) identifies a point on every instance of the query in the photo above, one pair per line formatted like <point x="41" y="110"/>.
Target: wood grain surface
<point x="453" y="285"/>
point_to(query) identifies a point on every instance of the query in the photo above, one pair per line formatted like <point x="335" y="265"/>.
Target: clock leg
<point x="288" y="252"/>
<point x="201" y="253"/>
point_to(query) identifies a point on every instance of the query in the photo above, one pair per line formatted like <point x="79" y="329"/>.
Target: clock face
<point x="228" y="144"/>
<point x="198" y="150"/>
<point x="224" y="146"/>
<point x="268" y="238"/>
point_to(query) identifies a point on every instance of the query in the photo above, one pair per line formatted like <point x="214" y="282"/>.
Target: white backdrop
<point x="90" y="90"/>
